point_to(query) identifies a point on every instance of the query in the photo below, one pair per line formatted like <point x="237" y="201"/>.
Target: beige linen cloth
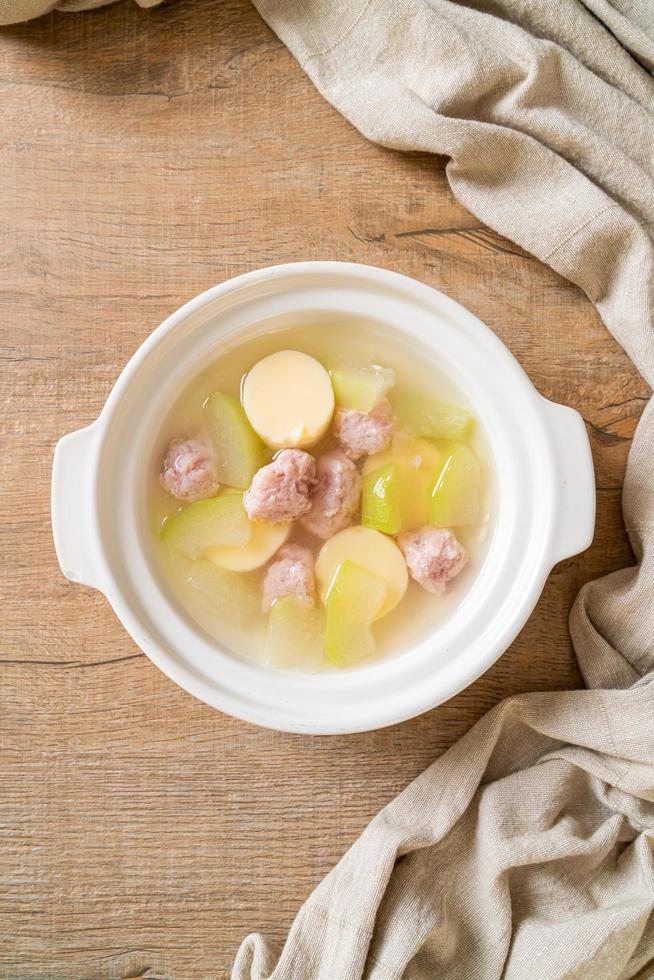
<point x="526" y="851"/>
<point x="13" y="11"/>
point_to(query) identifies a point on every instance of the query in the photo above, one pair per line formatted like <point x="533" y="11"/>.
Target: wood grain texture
<point x="144" y="156"/>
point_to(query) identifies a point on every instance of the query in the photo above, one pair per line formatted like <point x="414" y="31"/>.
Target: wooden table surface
<point x="144" y="156"/>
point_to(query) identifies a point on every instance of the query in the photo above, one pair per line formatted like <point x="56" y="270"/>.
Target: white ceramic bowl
<point x="545" y="505"/>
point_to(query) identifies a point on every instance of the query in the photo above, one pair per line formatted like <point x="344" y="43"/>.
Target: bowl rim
<point x="254" y="711"/>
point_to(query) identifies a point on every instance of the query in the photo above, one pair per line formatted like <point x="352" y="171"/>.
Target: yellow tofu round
<point x="266" y="539"/>
<point x="288" y="399"/>
<point x="421" y="461"/>
<point x="369" y="549"/>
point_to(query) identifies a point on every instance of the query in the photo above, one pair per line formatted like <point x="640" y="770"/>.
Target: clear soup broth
<point x="436" y="473"/>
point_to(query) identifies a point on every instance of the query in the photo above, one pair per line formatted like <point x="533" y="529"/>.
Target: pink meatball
<point x="281" y="491"/>
<point x="335" y="499"/>
<point x="290" y="574"/>
<point x="433" y="555"/>
<point x="364" y="433"/>
<point x="188" y="470"/>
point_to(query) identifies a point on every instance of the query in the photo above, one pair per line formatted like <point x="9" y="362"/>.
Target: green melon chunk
<point x="455" y="499"/>
<point x="419" y="462"/>
<point x="216" y="521"/>
<point x="361" y="388"/>
<point x="385" y="499"/>
<point x="295" y="634"/>
<point x="354" y="600"/>
<point x="239" y="451"/>
<point x="235" y="596"/>
<point x="432" y="419"/>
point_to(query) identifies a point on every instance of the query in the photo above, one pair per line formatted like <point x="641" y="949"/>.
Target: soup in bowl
<point x="315" y="506"/>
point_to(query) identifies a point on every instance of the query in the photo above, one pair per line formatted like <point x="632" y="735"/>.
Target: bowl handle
<point x="575" y="481"/>
<point x="73" y="509"/>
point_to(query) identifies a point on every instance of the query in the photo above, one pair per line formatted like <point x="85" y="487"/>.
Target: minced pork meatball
<point x="290" y="574"/>
<point x="433" y="556"/>
<point x="188" y="470"/>
<point x="281" y="491"/>
<point x="335" y="498"/>
<point x="364" y="433"/>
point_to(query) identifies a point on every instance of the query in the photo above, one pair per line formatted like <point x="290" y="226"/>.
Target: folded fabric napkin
<point x="527" y="849"/>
